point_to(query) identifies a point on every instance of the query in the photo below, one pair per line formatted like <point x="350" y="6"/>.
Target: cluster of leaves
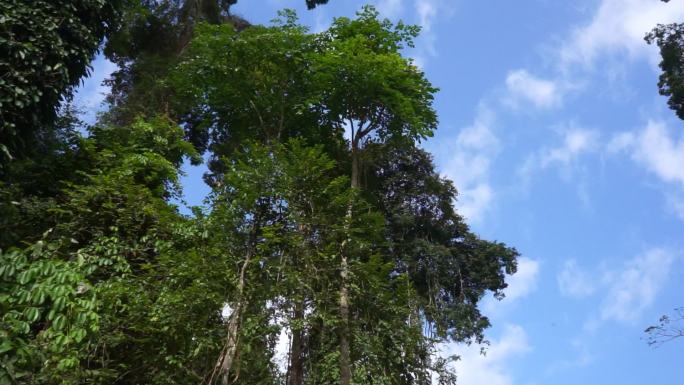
<point x="73" y="301"/>
<point x="670" y="40"/>
<point x="46" y="47"/>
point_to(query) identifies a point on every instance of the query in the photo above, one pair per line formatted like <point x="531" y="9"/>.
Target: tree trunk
<point x="296" y="367"/>
<point x="231" y="344"/>
<point x="225" y="362"/>
<point x="227" y="356"/>
<point x="345" y="351"/>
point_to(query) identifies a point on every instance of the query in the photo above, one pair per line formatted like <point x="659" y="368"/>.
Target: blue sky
<point x="553" y="130"/>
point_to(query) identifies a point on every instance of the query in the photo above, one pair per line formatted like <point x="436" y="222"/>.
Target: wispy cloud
<point x="582" y="357"/>
<point x="565" y="158"/>
<point x="391" y="9"/>
<point x="616" y="29"/>
<point x="575" y="142"/>
<point x="574" y="281"/>
<point x="634" y="287"/>
<point x="660" y="152"/>
<point x="427" y="12"/>
<point x="625" y="290"/>
<point x="468" y="164"/>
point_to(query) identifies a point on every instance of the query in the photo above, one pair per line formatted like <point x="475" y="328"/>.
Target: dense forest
<point x="326" y="223"/>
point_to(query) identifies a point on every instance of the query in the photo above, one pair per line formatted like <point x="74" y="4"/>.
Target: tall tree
<point x="422" y="266"/>
<point x="367" y="86"/>
<point x="278" y="207"/>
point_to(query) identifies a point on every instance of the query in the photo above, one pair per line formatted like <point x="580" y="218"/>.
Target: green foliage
<point x="285" y="203"/>
<point x="108" y="227"/>
<point x="151" y="36"/>
<point x="28" y="186"/>
<point x="364" y="81"/>
<point x="281" y="82"/>
<point x="412" y="259"/>
<point x="450" y="268"/>
<point x="266" y="93"/>
<point x="46" y="48"/>
<point x="103" y="281"/>
<point x="670" y="40"/>
<point x="48" y="313"/>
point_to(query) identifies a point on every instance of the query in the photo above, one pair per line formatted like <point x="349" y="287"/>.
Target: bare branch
<point x="667" y="329"/>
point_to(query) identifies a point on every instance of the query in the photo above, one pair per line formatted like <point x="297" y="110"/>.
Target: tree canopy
<point x="46" y="47"/>
<point x="328" y="251"/>
<point x="670" y="40"/>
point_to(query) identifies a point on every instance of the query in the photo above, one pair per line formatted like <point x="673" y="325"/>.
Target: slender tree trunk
<point x="225" y="361"/>
<point x="296" y="367"/>
<point x="345" y="351"/>
<point x="345" y="360"/>
<point x="295" y="370"/>
<point x="233" y="325"/>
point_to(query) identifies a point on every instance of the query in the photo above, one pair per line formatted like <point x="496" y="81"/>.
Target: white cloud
<point x="575" y="282"/>
<point x="427" y="12"/>
<point x="627" y="290"/>
<point x="660" y="152"/>
<point x="524" y="281"/>
<point x="582" y="357"/>
<point x="520" y="285"/>
<point x="523" y="86"/>
<point x="322" y="21"/>
<point x="475" y="201"/>
<point x="491" y="369"/>
<point x="390" y="8"/>
<point x="468" y="163"/>
<point x="618" y="26"/>
<point x="615" y="30"/>
<point x="635" y="286"/>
